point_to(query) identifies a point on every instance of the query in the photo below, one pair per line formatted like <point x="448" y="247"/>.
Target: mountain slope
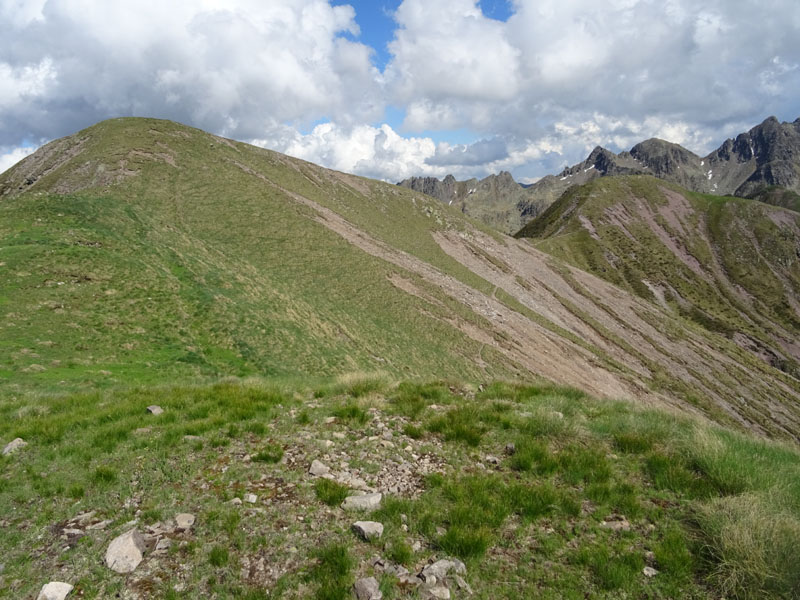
<point x="763" y="163"/>
<point x="767" y="155"/>
<point x="144" y="251"/>
<point x="730" y="265"/>
<point x="497" y="200"/>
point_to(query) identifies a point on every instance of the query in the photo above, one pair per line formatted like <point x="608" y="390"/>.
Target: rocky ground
<point x="363" y="489"/>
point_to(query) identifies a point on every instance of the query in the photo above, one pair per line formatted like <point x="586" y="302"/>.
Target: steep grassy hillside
<point x="730" y="265"/>
<point x="541" y="491"/>
<point x="141" y="251"/>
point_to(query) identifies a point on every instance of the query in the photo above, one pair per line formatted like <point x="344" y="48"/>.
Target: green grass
<point x="332" y="573"/>
<point x="725" y="267"/>
<point x="330" y="492"/>
<point x="715" y="512"/>
<point x="271" y="453"/>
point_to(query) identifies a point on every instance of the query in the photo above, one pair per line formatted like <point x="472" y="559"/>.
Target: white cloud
<point x="544" y="87"/>
<point x="235" y="67"/>
<point x="377" y="152"/>
<point x="10" y="157"/>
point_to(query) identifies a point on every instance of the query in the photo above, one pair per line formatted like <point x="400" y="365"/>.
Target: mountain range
<point x="762" y="163"/>
<point x="142" y="248"/>
<point x="216" y="360"/>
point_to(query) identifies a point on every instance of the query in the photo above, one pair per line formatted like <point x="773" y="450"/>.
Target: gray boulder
<point x="55" y="590"/>
<point x="367" y="589"/>
<point x="14" y="445"/>
<point x="368" y="529"/>
<point x="366" y="502"/>
<point x="125" y="552"/>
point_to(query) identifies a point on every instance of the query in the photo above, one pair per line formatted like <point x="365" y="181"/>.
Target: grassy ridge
<point x="730" y="265"/>
<point x="715" y="513"/>
<point x="173" y="275"/>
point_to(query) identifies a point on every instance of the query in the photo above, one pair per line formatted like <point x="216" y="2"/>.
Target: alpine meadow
<point x="230" y="373"/>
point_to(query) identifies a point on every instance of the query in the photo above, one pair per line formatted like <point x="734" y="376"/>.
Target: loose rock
<point x="649" y="572"/>
<point x="125" y="552"/>
<point x="439" y="592"/>
<point x="619" y="525"/>
<point x="55" y="590"/>
<point x="155" y="409"/>
<point x="318" y="469"/>
<point x="250" y="498"/>
<point x="441" y="568"/>
<point x="365" y="502"/>
<point x="367" y="589"/>
<point x="184" y="521"/>
<point x="368" y="529"/>
<point x="14" y="445"/>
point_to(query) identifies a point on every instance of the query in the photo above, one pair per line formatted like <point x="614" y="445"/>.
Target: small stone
<point x="511" y="449"/>
<point x="327" y="443"/>
<point x="154" y="409"/>
<point x="493" y="460"/>
<point x="235" y="501"/>
<point x="441" y="568"/>
<point x="184" y="521"/>
<point x="619" y="525"/>
<point x="365" y="502"/>
<point x="367" y="589"/>
<point x="125" y="552"/>
<point x="100" y="525"/>
<point x="462" y="584"/>
<point x="649" y="572"/>
<point x="439" y="592"/>
<point x="329" y="420"/>
<point x="368" y="529"/>
<point x="85" y="517"/>
<point x="14" y="445"/>
<point x="250" y="498"/>
<point x="339" y="435"/>
<point x="192" y="438"/>
<point x="318" y="469"/>
<point x="72" y="532"/>
<point x="55" y="590"/>
<point x="396" y="570"/>
<point x="163" y="545"/>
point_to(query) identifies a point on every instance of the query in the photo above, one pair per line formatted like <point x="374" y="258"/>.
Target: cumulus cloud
<point x="377" y="152"/>
<point x="479" y="153"/>
<point x="234" y="67"/>
<point x="537" y="91"/>
<point x="580" y="73"/>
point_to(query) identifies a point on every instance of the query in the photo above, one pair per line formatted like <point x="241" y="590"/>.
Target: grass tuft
<point x="271" y="453"/>
<point x="332" y="573"/>
<point x="330" y="492"/>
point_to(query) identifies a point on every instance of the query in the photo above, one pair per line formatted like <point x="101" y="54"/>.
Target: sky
<point x="396" y="88"/>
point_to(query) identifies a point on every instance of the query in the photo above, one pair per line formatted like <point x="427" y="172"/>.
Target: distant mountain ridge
<point x="496" y="200"/>
<point x="762" y="163"/>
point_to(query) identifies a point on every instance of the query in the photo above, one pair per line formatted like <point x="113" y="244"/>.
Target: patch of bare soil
<point x="668" y="239"/>
<point x="618" y="216"/>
